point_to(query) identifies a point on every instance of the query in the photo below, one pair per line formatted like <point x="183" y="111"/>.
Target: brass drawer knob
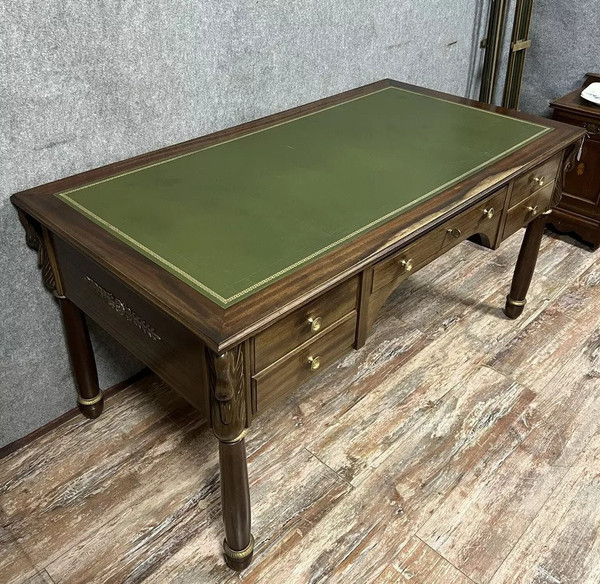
<point x="315" y="324"/>
<point x="533" y="210"/>
<point x="407" y="265"/>
<point x="539" y="180"/>
<point x="315" y="362"/>
<point x="456" y="233"/>
<point x="489" y="213"/>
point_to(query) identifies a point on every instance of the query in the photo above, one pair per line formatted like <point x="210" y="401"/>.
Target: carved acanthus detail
<point x="227" y="394"/>
<point x="35" y="240"/>
<point x="567" y="165"/>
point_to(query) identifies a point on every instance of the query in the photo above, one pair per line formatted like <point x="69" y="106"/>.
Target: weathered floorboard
<point x="477" y="532"/>
<point x="563" y="542"/>
<point x="478" y="433"/>
<point x="419" y="564"/>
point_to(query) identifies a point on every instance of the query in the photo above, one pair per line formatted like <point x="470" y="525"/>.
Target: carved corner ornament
<point x="228" y="394"/>
<point x="36" y="238"/>
<point x="567" y="165"/>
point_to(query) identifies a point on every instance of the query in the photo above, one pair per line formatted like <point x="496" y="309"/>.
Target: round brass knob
<point x="456" y="233"/>
<point x="315" y="362"/>
<point x="407" y="265"/>
<point x="539" y="180"/>
<point x="488" y="213"/>
<point x="533" y="210"/>
<point x="315" y="324"/>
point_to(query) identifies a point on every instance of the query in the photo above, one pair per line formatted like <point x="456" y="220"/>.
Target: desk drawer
<point x="526" y="210"/>
<point x="534" y="180"/>
<point x="483" y="218"/>
<point x="408" y="260"/>
<point x="306" y="361"/>
<point x="304" y="323"/>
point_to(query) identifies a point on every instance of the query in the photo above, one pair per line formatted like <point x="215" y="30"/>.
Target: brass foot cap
<point x="91" y="408"/>
<point x="239" y="560"/>
<point x="514" y="308"/>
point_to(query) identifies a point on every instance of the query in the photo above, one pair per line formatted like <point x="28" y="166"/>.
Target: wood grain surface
<point x="456" y="447"/>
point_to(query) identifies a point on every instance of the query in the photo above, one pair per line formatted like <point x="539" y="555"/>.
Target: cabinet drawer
<point x="305" y="362"/>
<point x="526" y="210"/>
<point x="535" y="179"/>
<point x="304" y="323"/>
<point x="590" y="122"/>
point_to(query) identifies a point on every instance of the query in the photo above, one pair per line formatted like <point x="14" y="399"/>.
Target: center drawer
<point x="304" y="323"/>
<point x="483" y="218"/>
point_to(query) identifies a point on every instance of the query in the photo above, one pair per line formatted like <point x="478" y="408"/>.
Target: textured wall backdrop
<point x="85" y="83"/>
<point x="566" y="46"/>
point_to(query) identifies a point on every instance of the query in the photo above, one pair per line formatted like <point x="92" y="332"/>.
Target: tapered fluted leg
<point x="516" y="300"/>
<point x="235" y="497"/>
<point x="228" y="399"/>
<point x="89" y="398"/>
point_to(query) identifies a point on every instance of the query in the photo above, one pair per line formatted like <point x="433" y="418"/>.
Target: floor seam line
<point x="445" y="559"/>
<point x="333" y="471"/>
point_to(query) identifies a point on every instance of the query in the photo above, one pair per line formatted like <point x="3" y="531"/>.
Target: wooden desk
<point x="240" y="264"/>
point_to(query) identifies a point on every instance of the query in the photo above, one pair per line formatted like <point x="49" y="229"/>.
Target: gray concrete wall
<point x="566" y="46"/>
<point x="85" y="83"/>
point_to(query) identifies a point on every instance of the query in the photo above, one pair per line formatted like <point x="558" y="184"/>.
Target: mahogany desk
<point x="239" y="264"/>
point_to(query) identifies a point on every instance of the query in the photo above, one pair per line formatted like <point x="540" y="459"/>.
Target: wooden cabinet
<point x="579" y="209"/>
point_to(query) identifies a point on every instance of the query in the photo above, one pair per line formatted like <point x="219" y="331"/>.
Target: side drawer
<point x="304" y="323"/>
<point x="526" y="210"/>
<point x="160" y="342"/>
<point x="302" y="364"/>
<point x="535" y="179"/>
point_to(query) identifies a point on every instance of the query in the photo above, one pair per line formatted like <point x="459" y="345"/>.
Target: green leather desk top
<point x="231" y="218"/>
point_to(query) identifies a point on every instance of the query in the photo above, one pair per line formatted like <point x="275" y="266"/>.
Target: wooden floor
<point x="457" y="446"/>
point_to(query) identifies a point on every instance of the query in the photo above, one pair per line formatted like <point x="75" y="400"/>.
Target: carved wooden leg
<point x="89" y="399"/>
<point x="229" y="420"/>
<point x="516" y="300"/>
<point x="235" y="498"/>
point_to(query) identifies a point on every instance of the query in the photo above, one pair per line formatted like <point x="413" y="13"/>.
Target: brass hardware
<point x="239" y="555"/>
<point x="123" y="310"/>
<point x="238" y="438"/>
<point x="516" y="302"/>
<point x="407" y="265"/>
<point x="489" y="213"/>
<point x="591" y="127"/>
<point x="315" y="362"/>
<point x="91" y="401"/>
<point x="539" y="180"/>
<point x="548" y="212"/>
<point x="456" y="233"/>
<point x="315" y="324"/>
<point x="521" y="45"/>
<point x="533" y="210"/>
